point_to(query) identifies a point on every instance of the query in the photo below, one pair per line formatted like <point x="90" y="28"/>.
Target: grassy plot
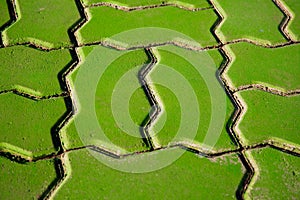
<point x="294" y="26"/>
<point x="4" y="14"/>
<point x="189" y="177"/>
<point x="186" y="3"/>
<point x="279" y="175"/>
<point x="27" y="124"/>
<point x="180" y="76"/>
<point x="43" y="23"/>
<point x="170" y="23"/>
<point x="32" y="70"/>
<point x="25" y="181"/>
<point x="272" y="67"/>
<point x="270" y="116"/>
<point x="96" y="82"/>
<point x="256" y="20"/>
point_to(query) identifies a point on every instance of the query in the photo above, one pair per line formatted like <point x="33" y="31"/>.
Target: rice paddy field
<point x="149" y="99"/>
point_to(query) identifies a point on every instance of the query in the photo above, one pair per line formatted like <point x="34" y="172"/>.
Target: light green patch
<point x="138" y="107"/>
<point x="103" y="106"/>
<point x="256" y="20"/>
<point x="195" y="72"/>
<point x="27" y="124"/>
<point x="31" y="70"/>
<point x="4" y="14"/>
<point x="272" y="67"/>
<point x="14" y="150"/>
<point x="25" y="181"/>
<point x="106" y="22"/>
<point x="43" y="23"/>
<point x="279" y="175"/>
<point x="189" y="177"/>
<point x="270" y="116"/>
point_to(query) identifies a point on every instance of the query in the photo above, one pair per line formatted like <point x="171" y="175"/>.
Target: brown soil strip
<point x="284" y="23"/>
<point x="268" y="89"/>
<point x="13" y="18"/>
<point x="267" y="144"/>
<point x="152" y="99"/>
<point x="61" y="175"/>
<point x="151" y="45"/>
<point x="134" y="8"/>
<point x="34" y="97"/>
<point x="62" y="171"/>
<point x="250" y="171"/>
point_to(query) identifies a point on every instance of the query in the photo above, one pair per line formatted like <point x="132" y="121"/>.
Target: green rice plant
<point x="27" y="124"/>
<point x="4" y="14"/>
<point x="255" y="20"/>
<point x="131" y="62"/>
<point x="271" y="67"/>
<point x="25" y="181"/>
<point x="43" y="23"/>
<point x="269" y="117"/>
<point x="31" y="70"/>
<point x="278" y="175"/>
<point x="184" y="64"/>
<point x="189" y="177"/>
<point x="105" y="22"/>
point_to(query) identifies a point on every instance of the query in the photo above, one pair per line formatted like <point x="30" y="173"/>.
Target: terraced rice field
<point x="149" y="99"/>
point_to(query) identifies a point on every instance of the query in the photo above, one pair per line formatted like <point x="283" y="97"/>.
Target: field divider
<point x="13" y="9"/>
<point x="247" y="161"/>
<point x="155" y="108"/>
<point x="134" y="8"/>
<point x="285" y="22"/>
<point x="13" y="19"/>
<point x="35" y="97"/>
<point x="63" y="167"/>
<point x="268" y="89"/>
<point x="151" y="45"/>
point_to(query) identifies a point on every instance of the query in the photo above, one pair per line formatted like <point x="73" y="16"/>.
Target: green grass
<point x="102" y="103"/>
<point x="271" y="67"/>
<point x="32" y="70"/>
<point x="43" y="23"/>
<point x="106" y="22"/>
<point x="187" y="3"/>
<point x="189" y="177"/>
<point x="279" y="175"/>
<point x="25" y="181"/>
<point x="270" y="116"/>
<point x="26" y="123"/>
<point x="4" y="14"/>
<point x="172" y="105"/>
<point x="294" y="25"/>
<point x="256" y="20"/>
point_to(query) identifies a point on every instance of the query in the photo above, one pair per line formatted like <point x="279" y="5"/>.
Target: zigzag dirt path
<point x="155" y="111"/>
<point x="35" y="97"/>
<point x="133" y="8"/>
<point x="288" y="18"/>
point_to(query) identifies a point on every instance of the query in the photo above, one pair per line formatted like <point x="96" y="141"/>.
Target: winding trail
<point x="134" y="8"/>
<point x="268" y="89"/>
<point x="285" y="22"/>
<point x="155" y="108"/>
<point x="35" y="97"/>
